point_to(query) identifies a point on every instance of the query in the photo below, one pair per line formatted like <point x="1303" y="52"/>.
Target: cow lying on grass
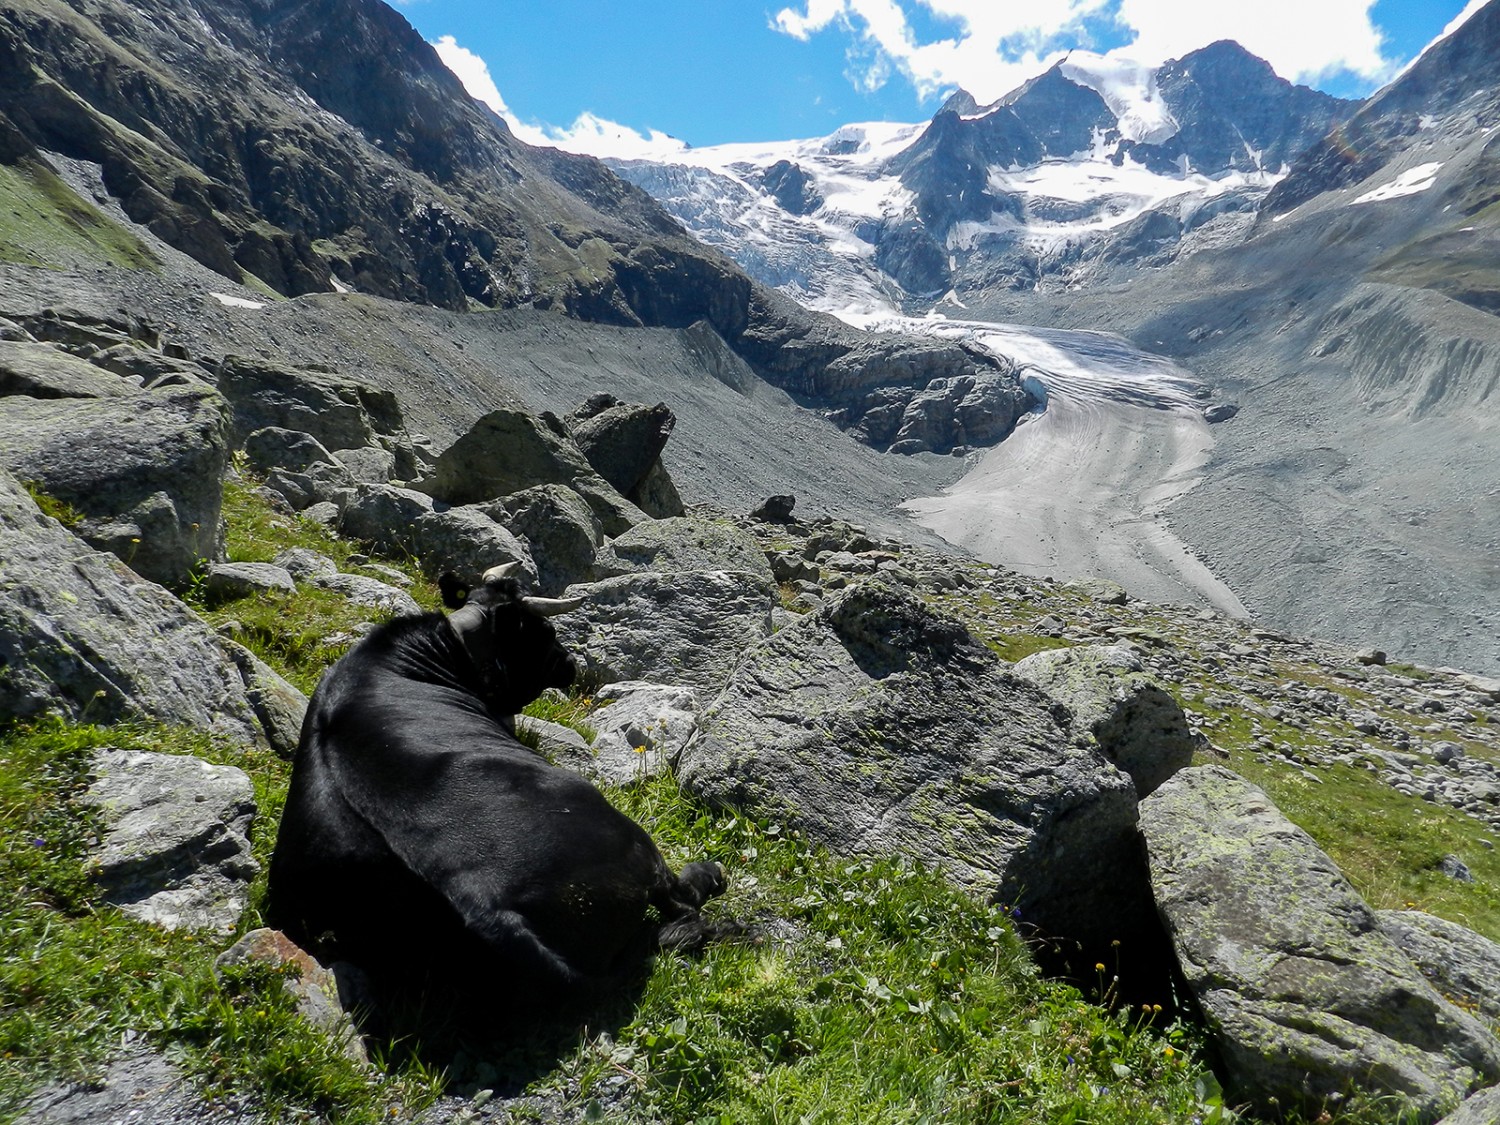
<point x="423" y="843"/>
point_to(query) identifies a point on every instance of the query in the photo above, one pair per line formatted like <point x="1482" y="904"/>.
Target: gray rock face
<point x="384" y="515"/>
<point x="241" y="579"/>
<point x="1304" y="993"/>
<point x="300" y="562"/>
<point x="641" y="729"/>
<point x="82" y="634"/>
<point x="623" y="441"/>
<point x="273" y="447"/>
<point x="1134" y="720"/>
<point x="1481" y="1108"/>
<point x="370" y="464"/>
<point x="560" y="530"/>
<point x="880" y="727"/>
<point x="144" y="471"/>
<point x="43" y="371"/>
<point x="369" y="592"/>
<point x="176" y="849"/>
<point x="688" y="630"/>
<point x="278" y="706"/>
<point x="338" y="412"/>
<point x="680" y="544"/>
<point x="1461" y="964"/>
<point x="468" y="542"/>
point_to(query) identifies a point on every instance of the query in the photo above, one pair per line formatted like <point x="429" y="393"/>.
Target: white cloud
<point x="472" y="71"/>
<point x="998" y="45"/>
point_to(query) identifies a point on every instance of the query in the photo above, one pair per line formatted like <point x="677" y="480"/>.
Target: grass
<point x="43" y="222"/>
<point x="60" y="510"/>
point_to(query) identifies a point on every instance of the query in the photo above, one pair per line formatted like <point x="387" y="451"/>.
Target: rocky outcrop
<point x="623" y="442"/>
<point x="640" y="729"/>
<point x="1130" y="717"/>
<point x="560" y="530"/>
<point x="141" y="471"/>
<point x="323" y="996"/>
<point x="880" y="727"/>
<point x="1305" y="995"/>
<point x="83" y="635"/>
<point x="176" y="849"/>
<point x="680" y="544"/>
<point x="1462" y="965"/>
<point x="468" y="542"/>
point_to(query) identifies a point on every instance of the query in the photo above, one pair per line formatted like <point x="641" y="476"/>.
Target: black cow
<point x="423" y="843"/>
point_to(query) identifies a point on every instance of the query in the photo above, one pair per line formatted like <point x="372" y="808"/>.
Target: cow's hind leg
<point x="682" y="926"/>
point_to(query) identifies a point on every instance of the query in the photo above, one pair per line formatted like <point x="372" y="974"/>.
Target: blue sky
<point x="600" y="75"/>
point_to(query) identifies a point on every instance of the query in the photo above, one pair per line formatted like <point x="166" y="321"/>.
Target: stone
<point x="368" y="592"/>
<point x="279" y="707"/>
<point x="384" y="516"/>
<point x="790" y="566"/>
<point x="340" y="413"/>
<point x="468" y="542"/>
<point x="304" y="563"/>
<point x="1220" y="412"/>
<point x="640" y="729"/>
<point x="1480" y="1108"/>
<point x="560" y="745"/>
<point x="657" y="494"/>
<point x="881" y="727"/>
<point x="1462" y="965"/>
<point x="43" y="371"/>
<point x="370" y="464"/>
<point x="226" y="581"/>
<point x="273" y="447"/>
<point x="83" y="635"/>
<point x="1132" y="718"/>
<point x="176" y="848"/>
<point x="683" y="543"/>
<point x="316" y="990"/>
<point x="686" y="630"/>
<point x="559" y="528"/>
<point x="144" y="472"/>
<point x="1100" y="590"/>
<point x="1456" y="869"/>
<point x="776" y="509"/>
<point x="1303" y="993"/>
<point x="1370" y="656"/>
<point x="623" y="442"/>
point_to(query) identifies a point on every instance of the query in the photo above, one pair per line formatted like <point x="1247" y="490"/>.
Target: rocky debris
<point x="176" y="848"/>
<point x="623" y="441"/>
<point x="776" y="509"/>
<point x="685" y="630"/>
<point x="1480" y="1108"/>
<point x="560" y="530"/>
<point x="324" y="997"/>
<point x="143" y="472"/>
<point x="139" y="1085"/>
<point x="371" y="464"/>
<point x="467" y="542"/>
<point x="293" y="451"/>
<point x="640" y="729"/>
<point x="560" y="745"/>
<point x="1220" y="412"/>
<point x="1462" y="965"/>
<point x="1304" y="994"/>
<point x="83" y="635"/>
<point x="683" y="543"/>
<point x="368" y="592"/>
<point x="508" y="451"/>
<point x="239" y="580"/>
<point x="1131" y="717"/>
<point x="880" y="727"/>
<point x="39" y="370"/>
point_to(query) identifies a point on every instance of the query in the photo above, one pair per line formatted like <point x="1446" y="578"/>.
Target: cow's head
<point x="509" y="639"/>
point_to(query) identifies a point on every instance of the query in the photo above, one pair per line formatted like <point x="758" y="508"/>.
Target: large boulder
<point x="1134" y="720"/>
<point x="1306" y="997"/>
<point x="340" y="413"/>
<point x="1480" y="1108"/>
<point x="880" y="727"/>
<point x="559" y="528"/>
<point x="640" y="729"/>
<point x="43" y="371"/>
<point x="1464" y="966"/>
<point x="84" y="635"/>
<point x="384" y="516"/>
<point x="508" y="451"/>
<point x="682" y="629"/>
<point x="467" y="542"/>
<point x="683" y="543"/>
<point x="623" y="441"/>
<point x="176" y="848"/>
<point x="144" y="472"/>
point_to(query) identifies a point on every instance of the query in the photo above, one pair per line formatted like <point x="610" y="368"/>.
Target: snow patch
<point x="233" y="302"/>
<point x="1129" y="89"/>
<point x="1409" y="182"/>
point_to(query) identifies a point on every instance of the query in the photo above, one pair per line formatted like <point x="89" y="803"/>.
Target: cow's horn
<point x="551" y="607"/>
<point x="504" y="570"/>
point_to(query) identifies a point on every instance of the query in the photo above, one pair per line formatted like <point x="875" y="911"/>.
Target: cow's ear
<point x="455" y="593"/>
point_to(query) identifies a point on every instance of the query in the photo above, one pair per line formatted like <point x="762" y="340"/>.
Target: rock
<point x="143" y="471"/>
<point x="1100" y="590"/>
<point x="139" y="1086"/>
<point x="1456" y="869"/>
<point x="384" y="516"/>
<point x="368" y="592"/>
<point x="176" y="848"/>
<point x="303" y="563"/>
<point x="468" y="542"/>
<point x="1480" y="1108"/>
<point x="560" y="530"/>
<point x="623" y="442"/>
<point x="680" y="544"/>
<point x="43" y="371"/>
<point x="1133" y="719"/>
<point x="1220" y="412"/>
<point x="560" y="745"/>
<point x="1305" y="996"/>
<point x="273" y="447"/>
<point x="657" y="495"/>
<point x="83" y="635"/>
<point x="279" y="707"/>
<point x="1461" y="964"/>
<point x="225" y="581"/>
<point x="370" y="464"/>
<point x="776" y="509"/>
<point x="316" y="989"/>
<point x="880" y="727"/>
<point x="1372" y="656"/>
<point x="685" y="630"/>
<point x="1446" y="753"/>
<point x="790" y="566"/>
<point x="510" y="451"/>
<point x="340" y="413"/>
<point x="641" y="729"/>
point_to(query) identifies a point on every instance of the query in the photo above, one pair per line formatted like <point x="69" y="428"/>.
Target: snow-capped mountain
<point x="1091" y="165"/>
